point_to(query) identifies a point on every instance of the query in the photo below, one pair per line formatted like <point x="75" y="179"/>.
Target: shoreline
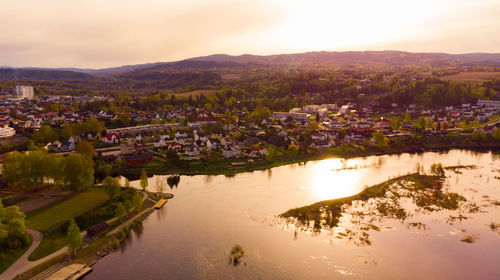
<point x="134" y="172"/>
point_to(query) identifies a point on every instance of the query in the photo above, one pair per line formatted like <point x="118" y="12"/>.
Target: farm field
<point x="471" y="76"/>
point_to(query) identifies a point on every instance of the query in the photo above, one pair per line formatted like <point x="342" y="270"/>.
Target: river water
<point x="192" y="236"/>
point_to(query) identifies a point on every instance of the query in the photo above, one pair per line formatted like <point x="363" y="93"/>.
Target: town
<point x="192" y="134"/>
<point x="85" y="161"/>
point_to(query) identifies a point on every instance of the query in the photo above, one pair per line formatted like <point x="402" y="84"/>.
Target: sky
<point x="108" y="33"/>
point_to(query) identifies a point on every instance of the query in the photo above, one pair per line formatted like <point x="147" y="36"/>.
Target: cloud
<point x="95" y="35"/>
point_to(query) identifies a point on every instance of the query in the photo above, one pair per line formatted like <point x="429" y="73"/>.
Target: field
<point x="471" y="76"/>
<point x="230" y="77"/>
<point x="195" y="92"/>
<point x="67" y="209"/>
<point x="50" y="243"/>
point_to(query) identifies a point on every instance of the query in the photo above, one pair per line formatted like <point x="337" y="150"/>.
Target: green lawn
<point x="59" y="213"/>
<point x="51" y="242"/>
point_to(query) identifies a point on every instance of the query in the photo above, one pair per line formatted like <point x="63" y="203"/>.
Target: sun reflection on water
<point x="335" y="178"/>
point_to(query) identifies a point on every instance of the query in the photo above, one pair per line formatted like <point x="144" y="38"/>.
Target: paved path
<point x="23" y="264"/>
<point x="115" y="230"/>
<point x="122" y="225"/>
<point x="19" y="266"/>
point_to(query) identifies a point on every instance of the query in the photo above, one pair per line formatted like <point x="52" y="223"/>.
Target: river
<point x="192" y="236"/>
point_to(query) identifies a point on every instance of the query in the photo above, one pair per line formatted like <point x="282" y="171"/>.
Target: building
<point x="489" y="103"/>
<point x="198" y="122"/>
<point x="281" y="115"/>
<point x="25" y="92"/>
<point x="6" y="132"/>
<point x="111" y="138"/>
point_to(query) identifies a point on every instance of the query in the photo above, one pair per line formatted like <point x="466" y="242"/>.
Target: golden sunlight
<point x="335" y="178"/>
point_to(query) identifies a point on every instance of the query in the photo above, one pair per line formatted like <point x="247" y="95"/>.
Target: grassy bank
<point x="62" y="212"/>
<point x="51" y="242"/>
<point x="223" y="166"/>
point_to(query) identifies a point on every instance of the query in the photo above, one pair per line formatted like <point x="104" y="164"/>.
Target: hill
<point x="41" y="74"/>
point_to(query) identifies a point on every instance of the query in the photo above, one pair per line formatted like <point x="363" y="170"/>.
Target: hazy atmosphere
<point x="96" y="34"/>
<point x="263" y="139"/>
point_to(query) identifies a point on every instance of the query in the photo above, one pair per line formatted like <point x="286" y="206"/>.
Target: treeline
<point x="33" y="169"/>
<point x="47" y="133"/>
<point x="12" y="231"/>
<point x="278" y="90"/>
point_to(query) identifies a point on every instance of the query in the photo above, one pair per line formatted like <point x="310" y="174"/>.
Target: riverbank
<point x="99" y="247"/>
<point x="240" y="165"/>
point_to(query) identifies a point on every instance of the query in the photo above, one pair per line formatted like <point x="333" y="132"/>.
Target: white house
<point x="6" y="132"/>
<point x="229" y="152"/>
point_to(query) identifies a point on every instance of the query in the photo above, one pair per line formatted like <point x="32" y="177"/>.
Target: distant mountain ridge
<point x="221" y="61"/>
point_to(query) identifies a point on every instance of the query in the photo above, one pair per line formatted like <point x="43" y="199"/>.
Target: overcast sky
<point x="106" y="33"/>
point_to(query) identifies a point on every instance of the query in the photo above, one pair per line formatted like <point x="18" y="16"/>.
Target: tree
<point x="85" y="148"/>
<point x="160" y="185"/>
<point x="421" y="122"/>
<point x="31" y="146"/>
<point x="96" y="126"/>
<point x="73" y="237"/>
<point x="396" y="123"/>
<point x="496" y="134"/>
<point x="437" y="169"/>
<point x="120" y="210"/>
<point x="407" y="118"/>
<point x="66" y="132"/>
<point x="45" y="135"/>
<point x="127" y="183"/>
<point x="78" y="172"/>
<point x="12" y="226"/>
<point x="380" y="140"/>
<point x="144" y="180"/>
<point x="111" y="186"/>
<point x="125" y="119"/>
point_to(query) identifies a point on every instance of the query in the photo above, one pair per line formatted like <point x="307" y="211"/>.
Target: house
<point x="160" y="144"/>
<point x="6" y="132"/>
<point x="213" y="143"/>
<point x="96" y="230"/>
<point x="354" y="138"/>
<point x="67" y="146"/>
<point x="111" y="138"/>
<point x="226" y="141"/>
<point x="363" y="125"/>
<point x="406" y="125"/>
<point x="54" y="145"/>
<point x="281" y="115"/>
<point x="299" y="116"/>
<point x="192" y="150"/>
<point x="74" y="139"/>
<point x="320" y="144"/>
<point x="89" y="135"/>
<point x="180" y="134"/>
<point x="198" y="122"/>
<point x="384" y="125"/>
<point x="229" y="152"/>
<point x="257" y="151"/>
<point x="173" y="145"/>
